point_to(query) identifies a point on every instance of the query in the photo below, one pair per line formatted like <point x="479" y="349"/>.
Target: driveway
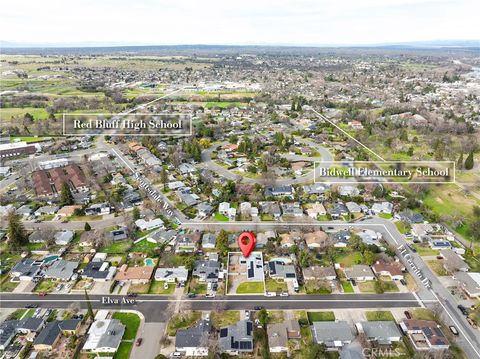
<point x="151" y="333"/>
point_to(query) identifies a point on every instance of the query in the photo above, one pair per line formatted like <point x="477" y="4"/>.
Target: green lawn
<point x="422" y="314"/>
<point x="349" y="259"/>
<point x="402" y="227"/>
<point x="144" y="246"/>
<point x="117" y="247"/>
<point x="6" y="285"/>
<point x="320" y="317"/>
<point x="157" y="287"/>
<point x="220" y="217"/>
<point x="196" y="287"/>
<point x="273" y="285"/>
<point x="347" y="286"/>
<point x="19" y="313"/>
<point x="124" y="350"/>
<point x="7" y="114"/>
<point x="131" y="321"/>
<point x="46" y="285"/>
<point x="250" y="287"/>
<point x="389" y="286"/>
<point x="224" y="318"/>
<point x="382" y="315"/>
<point x="437" y="267"/>
<point x="385" y="215"/>
<point x="367" y="286"/>
<point x="425" y="250"/>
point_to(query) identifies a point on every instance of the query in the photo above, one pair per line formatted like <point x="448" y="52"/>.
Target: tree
<point x="460" y="162"/>
<point x="189" y="262"/>
<point x="136" y="213"/>
<point x="222" y="242"/>
<point x="66" y="196"/>
<point x="369" y="257"/>
<point x="89" y="306"/>
<point x="17" y="236"/>
<point x="469" y="161"/>
<point x="263" y="317"/>
<point x="87" y="227"/>
<point x="164" y="177"/>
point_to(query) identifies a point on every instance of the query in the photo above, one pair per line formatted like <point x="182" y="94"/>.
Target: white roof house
<point x="148" y="225"/>
<point x="104" y="336"/>
<point x="171" y="275"/>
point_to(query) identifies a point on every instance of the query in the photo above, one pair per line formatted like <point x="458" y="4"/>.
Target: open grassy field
<point x="221" y="319"/>
<point x="117" y="247"/>
<point x="182" y="321"/>
<point x="157" y="287"/>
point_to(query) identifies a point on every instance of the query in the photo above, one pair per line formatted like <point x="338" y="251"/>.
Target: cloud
<point x="244" y="22"/>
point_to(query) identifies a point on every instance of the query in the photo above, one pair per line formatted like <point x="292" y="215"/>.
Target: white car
<point x="284" y="294"/>
<point x="270" y="294"/>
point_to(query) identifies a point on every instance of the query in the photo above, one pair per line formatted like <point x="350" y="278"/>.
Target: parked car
<point x="463" y="309"/>
<point x="138" y="342"/>
<point x="42" y="294"/>
<point x="247" y="314"/>
<point x="191" y="295"/>
<point x="453" y="330"/>
<point x="284" y="294"/>
<point x="403" y="282"/>
<point x="132" y="294"/>
<point x="353" y="282"/>
<point x="28" y="306"/>
<point x="407" y="314"/>
<point x="176" y="354"/>
<point x="210" y="295"/>
<point x="258" y="307"/>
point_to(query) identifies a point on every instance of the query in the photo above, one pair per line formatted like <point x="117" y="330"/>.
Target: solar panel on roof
<point x="223" y="332"/>
<point x="245" y="345"/>
<point x="249" y="328"/>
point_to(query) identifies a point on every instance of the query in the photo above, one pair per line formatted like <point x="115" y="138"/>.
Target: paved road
<point x="154" y="307"/>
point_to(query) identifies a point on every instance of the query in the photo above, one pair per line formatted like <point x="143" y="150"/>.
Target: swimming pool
<point x="149" y="262"/>
<point x="49" y="259"/>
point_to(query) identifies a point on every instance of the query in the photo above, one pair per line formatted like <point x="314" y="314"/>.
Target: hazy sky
<point x="238" y="22"/>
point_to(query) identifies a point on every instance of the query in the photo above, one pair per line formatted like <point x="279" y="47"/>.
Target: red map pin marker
<point x="246" y="242"/>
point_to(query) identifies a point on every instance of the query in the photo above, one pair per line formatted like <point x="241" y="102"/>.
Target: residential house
<point x="353" y="207"/>
<point x="98" y="209"/>
<point x="315" y="210"/>
<point x="452" y="262"/>
<point x="26" y="269"/>
<point x="48" y="338"/>
<point x="319" y="273"/>
<point x="369" y="236"/>
<point x="206" y="270"/>
<point x="10" y="328"/>
<point x="420" y="230"/>
<point x="338" y="210"/>
<point x="194" y="342"/>
<point x="104" y="336"/>
<point x="410" y="216"/>
<point x="61" y="270"/>
<point x="271" y="209"/>
<point x="63" y="238"/>
<point x="316" y="239"/>
<point x="348" y="191"/>
<point x="236" y="338"/>
<point x="380" y="332"/>
<point x="282" y="269"/>
<point x="46" y="210"/>
<point x="24" y="211"/>
<point x="359" y="272"/>
<point x="393" y="270"/>
<point x="340" y="238"/>
<point x="293" y="329"/>
<point x="274" y="191"/>
<point x="287" y="240"/>
<point x="292" y="209"/>
<point x="334" y="335"/>
<point x="469" y="282"/>
<point x="148" y="225"/>
<point x="425" y="334"/>
<point x="440" y="244"/>
<point x="277" y="338"/>
<point x="135" y="275"/>
<point x="382" y="207"/>
<point x="205" y="209"/>
<point x="99" y="271"/>
<point x="119" y="234"/>
<point x="172" y="275"/>
<point x="67" y="211"/>
<point x="209" y="241"/>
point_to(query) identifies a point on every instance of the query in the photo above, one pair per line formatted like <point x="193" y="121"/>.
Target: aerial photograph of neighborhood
<point x="261" y="179"/>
